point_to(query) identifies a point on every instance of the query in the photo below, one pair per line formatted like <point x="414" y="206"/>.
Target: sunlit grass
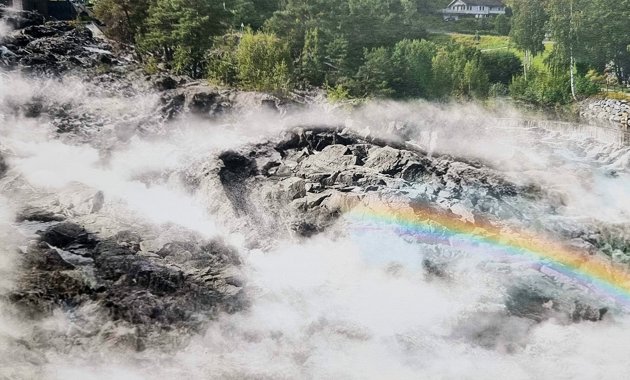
<point x="486" y="42"/>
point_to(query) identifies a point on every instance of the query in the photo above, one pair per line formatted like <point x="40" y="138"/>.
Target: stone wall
<point x="613" y="111"/>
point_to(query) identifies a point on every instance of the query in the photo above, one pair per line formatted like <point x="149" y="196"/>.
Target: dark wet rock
<point x="55" y="47"/>
<point x="39" y="292"/>
<point x="3" y="166"/>
<point x="539" y="304"/>
<point x="180" y="286"/>
<point x="50" y="260"/>
<point x="388" y="160"/>
<point x="315" y="138"/>
<point x="495" y="331"/>
<point x="236" y="167"/>
<point x="50" y="29"/>
<point x="435" y="269"/>
<point x="213" y="254"/>
<point x="233" y="175"/>
<point x="530" y="304"/>
<point x="20" y="19"/>
<point x="583" y="312"/>
<point x="36" y="214"/>
<point x="64" y="234"/>
<point x="165" y="83"/>
<point x="203" y="102"/>
<point x="172" y="105"/>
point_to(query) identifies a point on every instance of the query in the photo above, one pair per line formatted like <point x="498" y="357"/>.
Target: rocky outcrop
<point x="20" y="19"/>
<point x="175" y="286"/>
<point x="203" y="101"/>
<point x="610" y="110"/>
<point x="52" y="48"/>
<point x="153" y="281"/>
<point x="311" y="175"/>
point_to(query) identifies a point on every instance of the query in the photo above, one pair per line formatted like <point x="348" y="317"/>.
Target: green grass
<point x="490" y="43"/>
<point x="485" y="42"/>
<point x="616" y="95"/>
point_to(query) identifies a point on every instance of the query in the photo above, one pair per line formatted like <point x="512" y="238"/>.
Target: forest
<point x="558" y="50"/>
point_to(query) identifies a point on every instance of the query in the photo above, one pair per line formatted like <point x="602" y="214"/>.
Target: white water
<point x="351" y="306"/>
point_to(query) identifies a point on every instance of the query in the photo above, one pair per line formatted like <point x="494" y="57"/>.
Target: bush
<point x="475" y="80"/>
<point x="498" y="90"/>
<point x="376" y="75"/>
<point x="412" y="63"/>
<point x="337" y="93"/>
<point x="502" y="25"/>
<point x="221" y="60"/>
<point x="542" y="88"/>
<point x="151" y="66"/>
<point x="586" y="87"/>
<point x="262" y="62"/>
<point x="501" y="66"/>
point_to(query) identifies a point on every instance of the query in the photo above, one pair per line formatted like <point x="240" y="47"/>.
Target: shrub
<point x="376" y="75"/>
<point x="497" y="90"/>
<point x="221" y="60"/>
<point x="412" y="63"/>
<point x="501" y="66"/>
<point x="541" y="87"/>
<point x="150" y="66"/>
<point x="262" y="62"/>
<point x="337" y="93"/>
<point x="586" y="87"/>
<point x="475" y="80"/>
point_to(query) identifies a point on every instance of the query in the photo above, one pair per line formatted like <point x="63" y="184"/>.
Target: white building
<point x="473" y="8"/>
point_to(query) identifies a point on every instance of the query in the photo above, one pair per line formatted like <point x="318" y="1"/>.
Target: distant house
<point x="59" y="9"/>
<point x="473" y="8"/>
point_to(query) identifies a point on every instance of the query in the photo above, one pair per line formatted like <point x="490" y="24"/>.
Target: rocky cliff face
<point x="141" y="229"/>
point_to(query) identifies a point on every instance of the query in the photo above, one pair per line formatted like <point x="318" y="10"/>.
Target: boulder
<point x="20" y="19"/>
<point x="165" y="83"/>
<point x="388" y="160"/>
<point x="331" y="159"/>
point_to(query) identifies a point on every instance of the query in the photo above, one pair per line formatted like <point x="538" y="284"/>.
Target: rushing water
<point x="352" y="303"/>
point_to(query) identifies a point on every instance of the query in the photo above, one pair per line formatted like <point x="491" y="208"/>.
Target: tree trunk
<point x="525" y="64"/>
<point x="572" y="76"/>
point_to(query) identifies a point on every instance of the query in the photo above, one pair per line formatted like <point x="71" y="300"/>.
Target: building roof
<point x="489" y="3"/>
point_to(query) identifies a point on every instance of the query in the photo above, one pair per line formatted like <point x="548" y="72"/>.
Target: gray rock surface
<point x="162" y="282"/>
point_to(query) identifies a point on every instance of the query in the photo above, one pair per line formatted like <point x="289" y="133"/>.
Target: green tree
<point x="457" y="71"/>
<point x="501" y="66"/>
<point x="221" y="59"/>
<point x="181" y="32"/>
<point x="442" y="68"/>
<point x="412" y="60"/>
<point x="502" y="25"/>
<point x="360" y="24"/>
<point x="475" y="79"/>
<point x="376" y="75"/>
<point x="592" y="33"/>
<point x="263" y="62"/>
<point x="312" y="59"/>
<point x="124" y="18"/>
<point x="542" y="87"/>
<point x="250" y="13"/>
<point x="336" y="60"/>
<point x="528" y="28"/>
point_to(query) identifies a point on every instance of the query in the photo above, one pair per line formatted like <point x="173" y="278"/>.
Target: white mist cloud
<point x="356" y="306"/>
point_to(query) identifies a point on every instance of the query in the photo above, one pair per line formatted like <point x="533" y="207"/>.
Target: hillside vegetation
<point x="556" y="51"/>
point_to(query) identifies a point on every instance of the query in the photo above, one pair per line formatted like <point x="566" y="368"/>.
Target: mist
<point x="346" y="303"/>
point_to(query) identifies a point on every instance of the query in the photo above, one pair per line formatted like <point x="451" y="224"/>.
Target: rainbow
<point x="592" y="272"/>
